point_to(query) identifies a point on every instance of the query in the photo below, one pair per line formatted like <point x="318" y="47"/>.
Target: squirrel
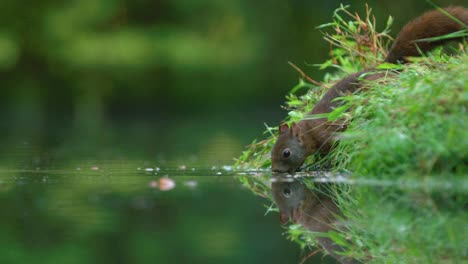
<point x="314" y="211"/>
<point x="311" y="136"/>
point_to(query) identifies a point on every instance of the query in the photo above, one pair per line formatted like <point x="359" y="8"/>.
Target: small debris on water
<point x="95" y="168"/>
<point x="182" y="167"/>
<point x="153" y="184"/>
<point x="191" y="183"/>
<point x="227" y="168"/>
<point x="219" y="173"/>
<point x="166" y="184"/>
<point x="149" y="169"/>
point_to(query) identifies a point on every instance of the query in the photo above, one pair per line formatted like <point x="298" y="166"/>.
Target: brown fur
<point x="431" y="24"/>
<point x="315" y="212"/>
<point x="311" y="136"/>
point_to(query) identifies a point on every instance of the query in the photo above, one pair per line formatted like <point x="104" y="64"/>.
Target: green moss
<point x="410" y="133"/>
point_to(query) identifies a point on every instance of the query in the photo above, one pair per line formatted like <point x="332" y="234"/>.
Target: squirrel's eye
<point x="286" y="192"/>
<point x="286" y="153"/>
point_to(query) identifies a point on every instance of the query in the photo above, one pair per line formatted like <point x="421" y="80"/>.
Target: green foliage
<point x="302" y="236"/>
<point x="410" y="134"/>
<point x="406" y="148"/>
<point x="355" y="40"/>
<point x="139" y="55"/>
<point x="358" y="53"/>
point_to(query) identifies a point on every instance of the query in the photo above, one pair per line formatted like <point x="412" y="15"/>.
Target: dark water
<point x="104" y="214"/>
<point x="139" y="192"/>
<point x="134" y="192"/>
<point x="112" y="214"/>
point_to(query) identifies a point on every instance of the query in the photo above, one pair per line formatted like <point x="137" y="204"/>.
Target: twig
<point x="310" y="255"/>
<point x="304" y="75"/>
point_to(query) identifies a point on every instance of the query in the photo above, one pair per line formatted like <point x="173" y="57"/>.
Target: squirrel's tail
<point x="431" y="24"/>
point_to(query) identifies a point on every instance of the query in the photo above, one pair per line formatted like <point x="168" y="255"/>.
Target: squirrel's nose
<point x="277" y="170"/>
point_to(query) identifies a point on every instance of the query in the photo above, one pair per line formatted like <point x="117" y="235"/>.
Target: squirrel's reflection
<point x="315" y="211"/>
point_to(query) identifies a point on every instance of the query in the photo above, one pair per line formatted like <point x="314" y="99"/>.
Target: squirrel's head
<point x="289" y="151"/>
<point x="288" y="196"/>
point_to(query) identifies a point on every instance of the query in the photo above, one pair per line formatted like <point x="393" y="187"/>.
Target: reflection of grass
<point x="411" y="128"/>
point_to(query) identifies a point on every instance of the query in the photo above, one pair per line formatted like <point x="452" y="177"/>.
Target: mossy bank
<point x="405" y="151"/>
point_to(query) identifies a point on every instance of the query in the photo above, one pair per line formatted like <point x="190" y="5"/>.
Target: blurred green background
<point x="127" y="84"/>
<point x="100" y="71"/>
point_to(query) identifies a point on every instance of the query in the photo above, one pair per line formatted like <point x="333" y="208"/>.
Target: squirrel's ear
<point x="294" y="130"/>
<point x="283" y="127"/>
